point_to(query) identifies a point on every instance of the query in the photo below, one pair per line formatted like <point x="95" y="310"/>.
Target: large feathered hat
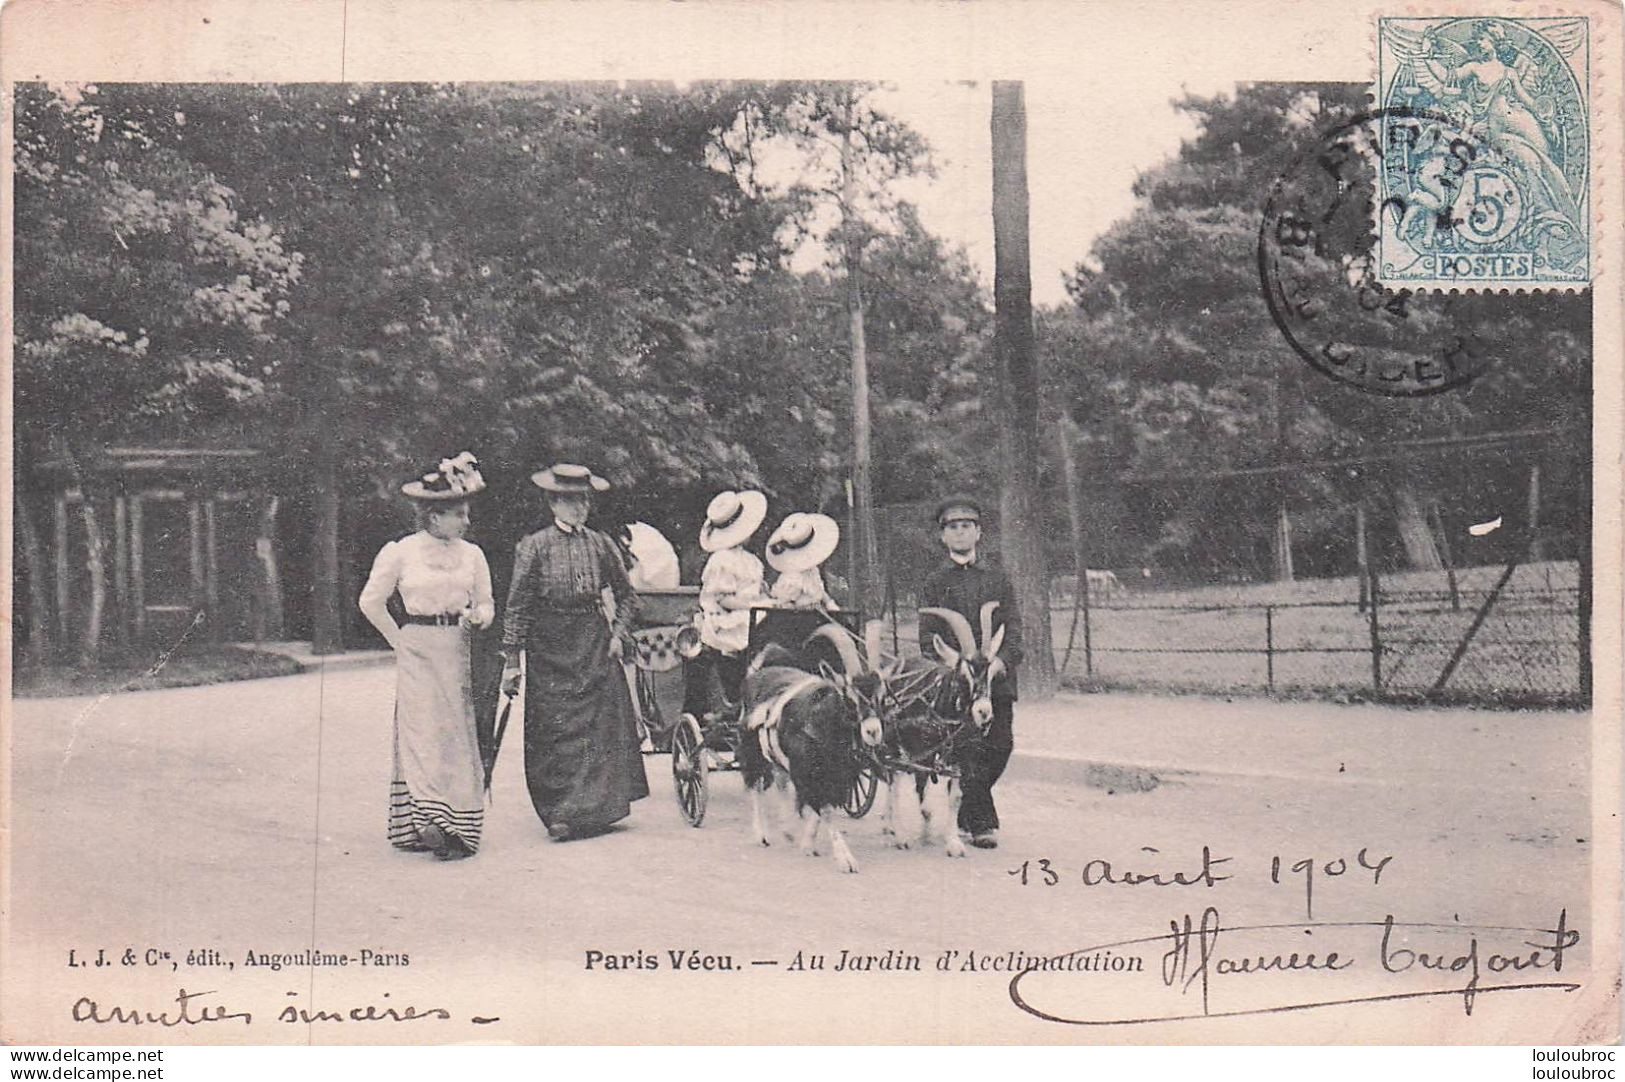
<point x="454" y="479"/>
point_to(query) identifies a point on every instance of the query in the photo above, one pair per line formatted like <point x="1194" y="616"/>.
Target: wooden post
<point x="1445" y="553"/>
<point x="1375" y="627"/>
<point x="1537" y="551"/>
<point x="194" y="519"/>
<point x="1585" y="600"/>
<point x="211" y="571"/>
<point x="121" y="568"/>
<point x="1064" y="429"/>
<point x="138" y="569"/>
<point x="1282" y="544"/>
<point x="864" y="547"/>
<point x="1478" y="617"/>
<point x="327" y="631"/>
<point x="1269" y="647"/>
<point x="1362" y="556"/>
<point x="1021" y="527"/>
<point x="60" y="559"/>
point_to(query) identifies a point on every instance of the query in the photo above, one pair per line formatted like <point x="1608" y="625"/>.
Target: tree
<point x="526" y="270"/>
<point x="1020" y="525"/>
<point x="1169" y="318"/>
<point x="848" y="152"/>
<point x="145" y="301"/>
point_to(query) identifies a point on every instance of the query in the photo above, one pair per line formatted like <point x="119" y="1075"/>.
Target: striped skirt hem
<point x="408" y="816"/>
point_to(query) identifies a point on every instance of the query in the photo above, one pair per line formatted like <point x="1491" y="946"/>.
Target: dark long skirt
<point x="582" y="762"/>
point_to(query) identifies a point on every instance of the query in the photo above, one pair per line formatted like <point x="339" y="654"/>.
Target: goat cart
<point x="656" y="673"/>
<point x="705" y="741"/>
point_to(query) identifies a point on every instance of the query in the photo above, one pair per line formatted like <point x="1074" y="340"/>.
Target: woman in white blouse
<point x="436" y="798"/>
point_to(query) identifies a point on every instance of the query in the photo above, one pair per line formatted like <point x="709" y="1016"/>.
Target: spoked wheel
<point x="688" y="769"/>
<point x="862" y="796"/>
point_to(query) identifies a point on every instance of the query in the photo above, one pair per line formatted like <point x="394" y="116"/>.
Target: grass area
<point x="1213" y="638"/>
<point x="188" y="667"/>
<point x="1527" y="648"/>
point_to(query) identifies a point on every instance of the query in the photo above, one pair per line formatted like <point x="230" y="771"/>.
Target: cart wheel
<point x="688" y="769"/>
<point x="862" y="796"/>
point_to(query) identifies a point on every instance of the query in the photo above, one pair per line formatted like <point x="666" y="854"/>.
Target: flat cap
<point x="968" y="507"/>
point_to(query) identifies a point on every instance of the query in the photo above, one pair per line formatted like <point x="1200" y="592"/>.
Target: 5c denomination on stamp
<point x="1319" y="274"/>
<point x="1485" y="153"/>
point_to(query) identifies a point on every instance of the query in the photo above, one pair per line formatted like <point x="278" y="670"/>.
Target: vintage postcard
<point x="812" y="523"/>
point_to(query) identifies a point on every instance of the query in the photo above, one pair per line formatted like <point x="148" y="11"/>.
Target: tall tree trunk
<point x="1281" y="538"/>
<point x="327" y="632"/>
<point x="269" y="618"/>
<point x="90" y="642"/>
<point x="1020" y="526"/>
<point x="39" y="648"/>
<point x="1421" y="551"/>
<point x="90" y="637"/>
<point x="865" y="590"/>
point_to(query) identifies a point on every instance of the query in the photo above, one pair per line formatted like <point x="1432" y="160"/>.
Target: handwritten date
<point x="1207" y="870"/>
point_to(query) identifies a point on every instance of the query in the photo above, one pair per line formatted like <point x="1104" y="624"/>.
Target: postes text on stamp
<point x="1485" y="153"/>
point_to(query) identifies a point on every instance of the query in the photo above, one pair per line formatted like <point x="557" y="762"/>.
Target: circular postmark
<point x="1317" y="264"/>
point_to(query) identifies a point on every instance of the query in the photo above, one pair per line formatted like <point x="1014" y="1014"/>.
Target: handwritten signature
<point x="1195" y="963"/>
<point x="186" y="1009"/>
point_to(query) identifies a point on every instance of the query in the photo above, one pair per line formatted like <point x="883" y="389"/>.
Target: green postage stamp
<point x="1485" y="174"/>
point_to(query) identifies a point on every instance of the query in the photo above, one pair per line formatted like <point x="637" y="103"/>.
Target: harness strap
<point x="764" y="717"/>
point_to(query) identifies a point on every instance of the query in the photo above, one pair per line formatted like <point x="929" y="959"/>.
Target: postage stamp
<point x="1319" y="274"/>
<point x="1485" y="153"/>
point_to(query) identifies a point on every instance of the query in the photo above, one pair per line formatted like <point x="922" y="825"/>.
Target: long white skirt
<point x="437" y="777"/>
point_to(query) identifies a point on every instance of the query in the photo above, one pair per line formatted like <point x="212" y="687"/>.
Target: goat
<point x="1103" y="582"/>
<point x="950" y="707"/>
<point x="800" y="734"/>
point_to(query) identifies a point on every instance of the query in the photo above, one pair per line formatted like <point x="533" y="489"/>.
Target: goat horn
<point x="987" y="622"/>
<point x="961" y="626"/>
<point x="871" y="644"/>
<point x="838" y="635"/>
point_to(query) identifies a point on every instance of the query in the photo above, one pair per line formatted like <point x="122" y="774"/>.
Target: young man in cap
<point x="964" y="584"/>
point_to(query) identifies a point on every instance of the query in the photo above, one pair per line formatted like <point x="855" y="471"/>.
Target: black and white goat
<point x="945" y="708"/>
<point x="799" y="741"/>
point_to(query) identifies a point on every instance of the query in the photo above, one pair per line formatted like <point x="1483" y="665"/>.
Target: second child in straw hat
<point x="795" y="550"/>
<point x="732" y="582"/>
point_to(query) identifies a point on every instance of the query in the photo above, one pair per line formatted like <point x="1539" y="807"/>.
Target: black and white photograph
<point x="660" y="524"/>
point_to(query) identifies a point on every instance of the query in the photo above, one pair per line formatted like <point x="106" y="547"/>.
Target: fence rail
<point x="1520" y="644"/>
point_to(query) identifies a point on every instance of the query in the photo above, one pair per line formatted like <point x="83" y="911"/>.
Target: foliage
<point x="144" y="296"/>
<point x="1170" y="359"/>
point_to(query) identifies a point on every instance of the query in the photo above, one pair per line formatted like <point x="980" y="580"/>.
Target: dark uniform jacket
<point x="964" y="589"/>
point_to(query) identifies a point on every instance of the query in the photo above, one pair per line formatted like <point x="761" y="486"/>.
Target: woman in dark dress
<point x="582" y="763"/>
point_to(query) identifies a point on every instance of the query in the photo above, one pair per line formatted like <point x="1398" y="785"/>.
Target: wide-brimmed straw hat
<point x="731" y="518"/>
<point x="569" y="478"/>
<point x="456" y="478"/>
<point x="802" y="541"/>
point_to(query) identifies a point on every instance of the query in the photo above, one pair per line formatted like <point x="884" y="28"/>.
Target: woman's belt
<point x="439" y="619"/>
<point x="568" y="608"/>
